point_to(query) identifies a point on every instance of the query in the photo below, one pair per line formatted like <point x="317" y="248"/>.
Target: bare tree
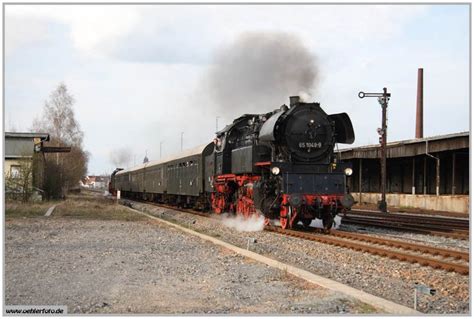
<point x="120" y="157"/>
<point x="63" y="170"/>
<point x="58" y="118"/>
<point x="19" y="180"/>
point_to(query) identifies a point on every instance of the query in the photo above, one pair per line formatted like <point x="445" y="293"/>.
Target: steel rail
<point x="404" y="223"/>
<point x="415" y="215"/>
<point x="412" y="228"/>
<point x="184" y="210"/>
<point x="459" y="223"/>
<point x="403" y="245"/>
<point x="331" y="240"/>
<point x="415" y="212"/>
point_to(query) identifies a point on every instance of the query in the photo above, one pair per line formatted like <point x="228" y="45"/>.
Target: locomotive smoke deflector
<point x="266" y="132"/>
<point x="343" y="128"/>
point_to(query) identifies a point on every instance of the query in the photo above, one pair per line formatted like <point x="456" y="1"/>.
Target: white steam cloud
<point x="239" y="223"/>
<point x="318" y="223"/>
<point x="305" y="97"/>
<point x="257" y="223"/>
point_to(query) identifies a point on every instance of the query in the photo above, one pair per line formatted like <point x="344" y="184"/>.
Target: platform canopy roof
<point x="413" y="147"/>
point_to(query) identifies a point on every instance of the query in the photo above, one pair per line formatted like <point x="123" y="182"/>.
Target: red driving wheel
<point x="284" y="222"/>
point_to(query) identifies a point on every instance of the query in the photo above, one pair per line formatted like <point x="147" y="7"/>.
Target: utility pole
<point x="217" y="123"/>
<point x="161" y="143"/>
<point x="383" y="99"/>
<point x="182" y="133"/>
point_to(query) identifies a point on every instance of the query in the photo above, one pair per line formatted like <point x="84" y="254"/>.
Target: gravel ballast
<point x="383" y="277"/>
<point x="110" y="266"/>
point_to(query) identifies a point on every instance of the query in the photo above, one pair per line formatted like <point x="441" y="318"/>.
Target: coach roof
<point x="186" y="153"/>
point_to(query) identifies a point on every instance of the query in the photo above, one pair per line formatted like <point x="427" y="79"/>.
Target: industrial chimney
<point x="419" y="105"/>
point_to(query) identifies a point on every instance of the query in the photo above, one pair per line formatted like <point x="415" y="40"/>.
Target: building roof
<point x="412" y="147"/>
<point x="99" y="179"/>
<point x="22" y="145"/>
<point x="43" y="136"/>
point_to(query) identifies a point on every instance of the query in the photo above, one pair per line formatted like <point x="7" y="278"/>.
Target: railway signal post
<point x="383" y="99"/>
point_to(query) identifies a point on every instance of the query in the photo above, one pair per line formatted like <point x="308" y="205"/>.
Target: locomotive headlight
<point x="275" y="170"/>
<point x="348" y="171"/>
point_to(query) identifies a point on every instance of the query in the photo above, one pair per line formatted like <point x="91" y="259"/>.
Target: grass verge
<point x="14" y="209"/>
<point x="95" y="208"/>
<point x="81" y="207"/>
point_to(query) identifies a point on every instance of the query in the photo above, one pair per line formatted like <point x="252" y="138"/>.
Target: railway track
<point x="408" y="211"/>
<point x="457" y="223"/>
<point x="390" y="248"/>
<point x="430" y="225"/>
<point x="435" y="251"/>
<point x="184" y="210"/>
<point x="395" y="221"/>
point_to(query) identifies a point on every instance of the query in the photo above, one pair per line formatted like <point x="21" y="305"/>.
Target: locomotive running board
<point x="379" y="303"/>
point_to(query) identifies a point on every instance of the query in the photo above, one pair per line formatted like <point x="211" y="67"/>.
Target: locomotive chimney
<point x="294" y="100"/>
<point x="419" y="105"/>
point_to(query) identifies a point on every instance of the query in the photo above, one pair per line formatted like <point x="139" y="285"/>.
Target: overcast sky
<point x="137" y="72"/>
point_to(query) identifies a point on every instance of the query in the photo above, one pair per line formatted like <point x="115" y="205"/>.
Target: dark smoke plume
<point x="259" y="71"/>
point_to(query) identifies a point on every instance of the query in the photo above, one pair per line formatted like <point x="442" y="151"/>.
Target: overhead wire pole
<point x="383" y="99"/>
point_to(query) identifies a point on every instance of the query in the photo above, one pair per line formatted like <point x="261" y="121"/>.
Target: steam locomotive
<point x="280" y="165"/>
